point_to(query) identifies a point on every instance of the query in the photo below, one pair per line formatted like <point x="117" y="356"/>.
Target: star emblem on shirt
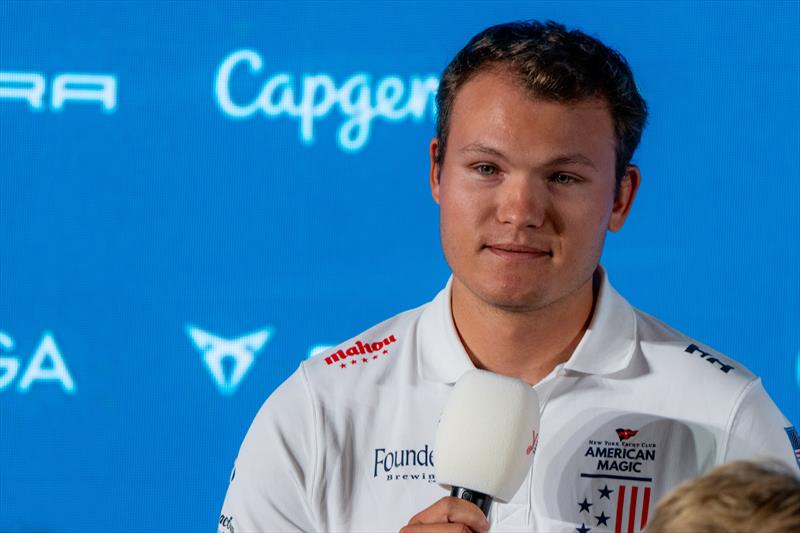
<point x="605" y="492"/>
<point x="583" y="529"/>
<point x="602" y="520"/>
<point x="585" y="505"/>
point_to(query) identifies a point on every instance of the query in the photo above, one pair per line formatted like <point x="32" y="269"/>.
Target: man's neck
<point x="524" y="344"/>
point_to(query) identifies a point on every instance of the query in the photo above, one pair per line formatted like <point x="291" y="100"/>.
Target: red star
<point x="365" y="359"/>
<point x="374" y="356"/>
<point x="386" y="351"/>
<point x="353" y="361"/>
<point x="344" y="365"/>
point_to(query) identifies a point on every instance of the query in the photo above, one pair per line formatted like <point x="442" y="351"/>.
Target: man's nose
<point x="522" y="202"/>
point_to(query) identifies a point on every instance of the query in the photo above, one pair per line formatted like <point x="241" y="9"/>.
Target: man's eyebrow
<point x="574" y="158"/>
<point x="570" y="159"/>
<point x="483" y="149"/>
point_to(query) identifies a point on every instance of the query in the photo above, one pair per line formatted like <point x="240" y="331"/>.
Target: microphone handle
<point x="483" y="501"/>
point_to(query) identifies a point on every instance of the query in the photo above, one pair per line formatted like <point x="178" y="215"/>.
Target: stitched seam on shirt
<point x="734" y="417"/>
<point x="314" y="477"/>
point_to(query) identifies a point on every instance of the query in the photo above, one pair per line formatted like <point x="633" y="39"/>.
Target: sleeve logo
<point x="361" y="353"/>
<point x="794" y="439"/>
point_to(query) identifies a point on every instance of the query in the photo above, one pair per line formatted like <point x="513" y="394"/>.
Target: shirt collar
<point x="607" y="346"/>
<point x="442" y="355"/>
<point x="610" y="341"/>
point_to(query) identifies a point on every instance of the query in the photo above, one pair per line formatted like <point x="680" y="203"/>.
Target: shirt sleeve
<point x="272" y="482"/>
<point x="758" y="430"/>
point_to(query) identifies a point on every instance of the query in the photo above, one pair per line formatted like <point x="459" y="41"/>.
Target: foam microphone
<point x="486" y="437"/>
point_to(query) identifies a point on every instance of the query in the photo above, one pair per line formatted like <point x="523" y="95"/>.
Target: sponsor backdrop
<point x="197" y="196"/>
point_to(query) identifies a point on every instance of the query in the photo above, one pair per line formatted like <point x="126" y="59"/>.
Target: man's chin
<point x="515" y="298"/>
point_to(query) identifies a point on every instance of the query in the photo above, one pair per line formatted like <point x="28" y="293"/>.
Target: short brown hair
<point x="554" y="64"/>
<point x="739" y="497"/>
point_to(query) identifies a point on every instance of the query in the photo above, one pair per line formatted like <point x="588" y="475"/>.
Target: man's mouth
<point x="520" y="251"/>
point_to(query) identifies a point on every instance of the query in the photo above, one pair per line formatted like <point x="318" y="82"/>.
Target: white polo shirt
<point x="346" y="443"/>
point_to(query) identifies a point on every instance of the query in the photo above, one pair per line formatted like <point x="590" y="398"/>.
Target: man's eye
<point x="563" y="179"/>
<point x="486" y="170"/>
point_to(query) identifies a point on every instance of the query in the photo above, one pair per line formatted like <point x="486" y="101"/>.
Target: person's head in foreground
<point x="739" y="497"/>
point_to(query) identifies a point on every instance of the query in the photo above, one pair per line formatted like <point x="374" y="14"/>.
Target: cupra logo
<point x="241" y="352"/>
<point x="32" y="87"/>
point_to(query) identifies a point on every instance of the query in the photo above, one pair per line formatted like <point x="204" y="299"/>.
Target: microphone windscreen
<point x="487" y="434"/>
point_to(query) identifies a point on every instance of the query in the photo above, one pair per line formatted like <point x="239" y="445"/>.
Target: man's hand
<point x="449" y="514"/>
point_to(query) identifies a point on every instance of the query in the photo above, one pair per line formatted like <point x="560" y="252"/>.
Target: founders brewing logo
<point x="404" y="464"/>
<point x="619" y="472"/>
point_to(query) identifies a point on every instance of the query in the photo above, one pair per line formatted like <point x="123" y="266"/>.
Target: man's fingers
<point x="452" y="510"/>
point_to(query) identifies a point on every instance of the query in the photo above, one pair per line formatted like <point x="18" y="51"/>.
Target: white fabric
<point x="348" y="446"/>
<point x="496" y="459"/>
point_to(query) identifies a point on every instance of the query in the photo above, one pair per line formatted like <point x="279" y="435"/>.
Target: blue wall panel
<point x="134" y="208"/>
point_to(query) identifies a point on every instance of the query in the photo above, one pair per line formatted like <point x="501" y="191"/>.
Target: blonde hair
<point x="739" y="497"/>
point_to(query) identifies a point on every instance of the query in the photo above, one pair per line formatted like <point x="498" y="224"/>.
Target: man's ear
<point x="435" y="169"/>
<point x="625" y="196"/>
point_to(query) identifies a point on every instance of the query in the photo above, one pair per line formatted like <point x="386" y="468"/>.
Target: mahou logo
<point x="361" y="352"/>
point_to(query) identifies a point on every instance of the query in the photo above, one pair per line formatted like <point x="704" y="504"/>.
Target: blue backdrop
<point x="183" y="182"/>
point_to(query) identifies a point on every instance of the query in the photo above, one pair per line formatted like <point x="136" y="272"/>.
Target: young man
<point x="530" y="167"/>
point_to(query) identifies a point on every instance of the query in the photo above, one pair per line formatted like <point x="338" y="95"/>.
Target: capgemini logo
<point x="391" y="98"/>
<point x="239" y="352"/>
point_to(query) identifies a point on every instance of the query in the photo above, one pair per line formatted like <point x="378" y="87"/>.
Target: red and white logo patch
<point x="626" y="433"/>
<point x="361" y="353"/>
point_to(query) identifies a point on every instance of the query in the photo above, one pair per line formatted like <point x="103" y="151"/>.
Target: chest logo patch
<point x="618" y="480"/>
<point x="410" y="464"/>
<point x="361" y="353"/>
<point x="625" y="434"/>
